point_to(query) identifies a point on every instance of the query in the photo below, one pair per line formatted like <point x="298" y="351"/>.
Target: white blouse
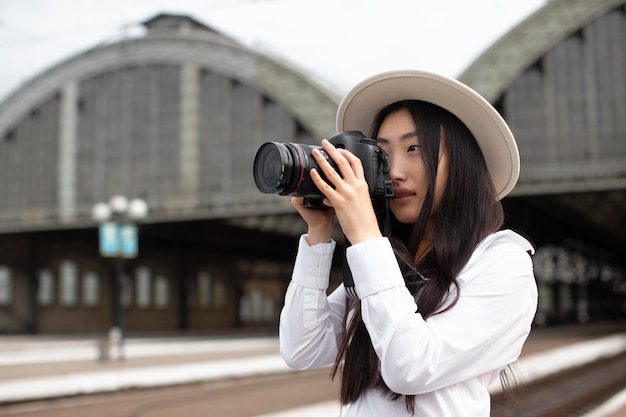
<point x="448" y="360"/>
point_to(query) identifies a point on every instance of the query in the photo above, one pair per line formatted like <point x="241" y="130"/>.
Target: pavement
<point x="39" y="367"/>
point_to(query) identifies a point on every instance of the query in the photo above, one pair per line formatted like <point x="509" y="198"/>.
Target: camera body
<point x="284" y="168"/>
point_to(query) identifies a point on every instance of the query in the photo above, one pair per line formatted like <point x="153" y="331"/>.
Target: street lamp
<point x="118" y="220"/>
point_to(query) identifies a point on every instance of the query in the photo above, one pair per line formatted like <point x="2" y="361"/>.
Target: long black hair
<point x="469" y="211"/>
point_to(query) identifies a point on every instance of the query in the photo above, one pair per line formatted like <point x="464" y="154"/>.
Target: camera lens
<point x="283" y="168"/>
<point x="273" y="168"/>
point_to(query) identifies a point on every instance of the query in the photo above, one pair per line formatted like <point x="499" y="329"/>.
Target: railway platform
<point x="40" y="367"/>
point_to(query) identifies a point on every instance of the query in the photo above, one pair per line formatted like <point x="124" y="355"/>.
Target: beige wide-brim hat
<point x="361" y="104"/>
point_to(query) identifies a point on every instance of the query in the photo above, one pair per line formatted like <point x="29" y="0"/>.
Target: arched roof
<point x="174" y="117"/>
<point x="558" y="79"/>
<point x="508" y="57"/>
<point x="313" y="105"/>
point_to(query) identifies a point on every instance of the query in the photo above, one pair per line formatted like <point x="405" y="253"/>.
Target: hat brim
<point x="361" y="104"/>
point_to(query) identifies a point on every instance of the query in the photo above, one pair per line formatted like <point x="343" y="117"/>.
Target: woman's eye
<point x="413" y="148"/>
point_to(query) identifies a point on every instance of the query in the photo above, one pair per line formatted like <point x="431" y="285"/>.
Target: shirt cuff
<point x="374" y="267"/>
<point x="312" y="266"/>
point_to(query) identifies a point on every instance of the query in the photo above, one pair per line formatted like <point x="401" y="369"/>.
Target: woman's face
<point x="398" y="137"/>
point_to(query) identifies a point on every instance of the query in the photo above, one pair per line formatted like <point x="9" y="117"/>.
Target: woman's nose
<point x="396" y="170"/>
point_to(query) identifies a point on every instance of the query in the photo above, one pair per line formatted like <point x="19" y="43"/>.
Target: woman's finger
<point x="356" y="164"/>
<point x="340" y="157"/>
<point x="349" y="166"/>
<point x="326" y="168"/>
<point x="324" y="187"/>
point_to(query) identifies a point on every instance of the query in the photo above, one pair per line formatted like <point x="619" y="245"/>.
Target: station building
<point x="175" y="118"/>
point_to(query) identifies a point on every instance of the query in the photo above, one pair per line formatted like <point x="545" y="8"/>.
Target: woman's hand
<point x="349" y="193"/>
<point x="320" y="221"/>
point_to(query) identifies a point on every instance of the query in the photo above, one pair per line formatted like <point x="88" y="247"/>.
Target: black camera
<point x="284" y="168"/>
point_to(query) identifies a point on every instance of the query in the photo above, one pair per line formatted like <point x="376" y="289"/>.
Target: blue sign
<point x="108" y="239"/>
<point x="118" y="240"/>
<point x="128" y="240"/>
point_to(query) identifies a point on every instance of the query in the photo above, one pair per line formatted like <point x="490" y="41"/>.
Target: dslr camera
<point x="284" y="168"/>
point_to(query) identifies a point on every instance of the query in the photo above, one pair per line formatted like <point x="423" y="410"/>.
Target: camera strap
<point x="348" y="280"/>
<point x="388" y="190"/>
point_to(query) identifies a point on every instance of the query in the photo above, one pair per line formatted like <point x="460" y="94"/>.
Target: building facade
<point x="175" y="118"/>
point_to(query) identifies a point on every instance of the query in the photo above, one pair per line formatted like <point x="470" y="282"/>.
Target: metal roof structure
<point x="174" y="117"/>
<point x="494" y="71"/>
<point x="559" y="78"/>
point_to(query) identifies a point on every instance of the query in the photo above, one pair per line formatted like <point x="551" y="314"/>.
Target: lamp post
<point x="118" y="237"/>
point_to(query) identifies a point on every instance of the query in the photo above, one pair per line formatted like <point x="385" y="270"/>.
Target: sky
<point x="335" y="42"/>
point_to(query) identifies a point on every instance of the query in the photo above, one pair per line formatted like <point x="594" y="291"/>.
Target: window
<point x="204" y="290"/>
<point x="6" y="286"/>
<point x="220" y="294"/>
<point x="143" y="280"/>
<point x="45" y="293"/>
<point x="68" y="291"/>
<point x="127" y="291"/>
<point x="91" y="289"/>
<point x="256" y="307"/>
<point x="161" y="292"/>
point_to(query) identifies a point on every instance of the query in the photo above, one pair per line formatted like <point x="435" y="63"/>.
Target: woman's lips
<point x="401" y="194"/>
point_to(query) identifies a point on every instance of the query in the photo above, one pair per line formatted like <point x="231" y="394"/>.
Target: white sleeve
<point x="482" y="333"/>
<point x="311" y="323"/>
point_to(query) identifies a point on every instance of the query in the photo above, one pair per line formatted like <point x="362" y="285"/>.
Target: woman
<point x="446" y="300"/>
